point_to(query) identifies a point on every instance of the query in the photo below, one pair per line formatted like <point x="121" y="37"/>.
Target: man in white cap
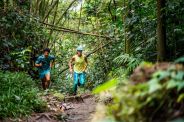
<point x="80" y="65"/>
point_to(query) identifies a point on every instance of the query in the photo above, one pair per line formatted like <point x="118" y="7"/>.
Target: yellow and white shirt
<point x="79" y="64"/>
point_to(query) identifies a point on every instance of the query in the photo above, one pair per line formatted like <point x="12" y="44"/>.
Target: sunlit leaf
<point x="154" y="85"/>
<point x="179" y="75"/>
<point x="171" y="84"/>
<point x="180" y="85"/>
<point x="105" y="86"/>
<point x="179" y="60"/>
<point x="180" y="98"/>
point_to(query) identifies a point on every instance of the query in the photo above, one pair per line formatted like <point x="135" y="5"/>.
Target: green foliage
<point x="131" y="24"/>
<point x="20" y="38"/>
<point x="22" y="58"/>
<point x="130" y="62"/>
<point x="177" y="120"/>
<point x="163" y="93"/>
<point x="64" y="84"/>
<point x="18" y="95"/>
<point x="180" y="60"/>
<point x="105" y="86"/>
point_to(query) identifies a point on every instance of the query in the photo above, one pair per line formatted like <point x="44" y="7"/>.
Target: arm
<point x="70" y="64"/>
<point x="52" y="62"/>
<point x="38" y="62"/>
<point x="85" y="58"/>
<point x="38" y="65"/>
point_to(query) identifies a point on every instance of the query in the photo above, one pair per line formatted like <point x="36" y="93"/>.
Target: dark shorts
<point x="43" y="73"/>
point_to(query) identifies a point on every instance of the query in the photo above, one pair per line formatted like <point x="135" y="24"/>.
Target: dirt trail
<point x="82" y="111"/>
<point x="72" y="109"/>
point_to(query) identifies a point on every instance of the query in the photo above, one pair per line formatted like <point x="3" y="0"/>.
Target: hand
<point x="40" y="64"/>
<point x="71" y="70"/>
<point x="50" y="65"/>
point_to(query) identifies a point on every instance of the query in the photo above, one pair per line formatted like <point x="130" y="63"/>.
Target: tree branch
<point x="58" y="28"/>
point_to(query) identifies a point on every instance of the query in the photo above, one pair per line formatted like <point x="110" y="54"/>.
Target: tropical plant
<point x="143" y="102"/>
<point x="18" y="95"/>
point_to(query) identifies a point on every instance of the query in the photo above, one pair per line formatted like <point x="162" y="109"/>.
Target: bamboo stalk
<point x="50" y="10"/>
<point x="65" y="12"/>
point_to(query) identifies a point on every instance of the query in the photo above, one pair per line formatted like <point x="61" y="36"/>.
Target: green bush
<point x="18" y="95"/>
<point x="161" y="98"/>
<point x="155" y="100"/>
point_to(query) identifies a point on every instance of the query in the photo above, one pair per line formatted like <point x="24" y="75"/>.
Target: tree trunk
<point x="80" y="16"/>
<point x="126" y="27"/>
<point x="161" y="31"/>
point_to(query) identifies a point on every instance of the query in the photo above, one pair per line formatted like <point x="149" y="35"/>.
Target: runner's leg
<point x="78" y="80"/>
<point x="43" y="83"/>
<point x="76" y="77"/>
<point x="82" y="79"/>
<point x="47" y="82"/>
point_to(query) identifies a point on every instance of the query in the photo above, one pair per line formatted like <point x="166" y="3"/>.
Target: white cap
<point x="80" y="48"/>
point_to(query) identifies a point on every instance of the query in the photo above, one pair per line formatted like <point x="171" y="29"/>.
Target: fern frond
<point x="131" y="62"/>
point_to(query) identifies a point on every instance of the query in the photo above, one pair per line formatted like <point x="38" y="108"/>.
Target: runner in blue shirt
<point x="44" y="64"/>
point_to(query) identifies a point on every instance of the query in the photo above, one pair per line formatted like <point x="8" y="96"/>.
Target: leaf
<point x="171" y="84"/>
<point x="177" y="30"/>
<point x="178" y="120"/>
<point x="161" y="75"/>
<point x="180" y="85"/>
<point x="179" y="75"/>
<point x="131" y="110"/>
<point x="105" y="86"/>
<point x="154" y="85"/>
<point x="180" y="98"/>
<point x="17" y="98"/>
<point x="179" y="60"/>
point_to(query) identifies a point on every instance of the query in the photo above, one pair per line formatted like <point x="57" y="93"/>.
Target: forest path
<point x="71" y="109"/>
<point x="78" y="108"/>
<point x="83" y="110"/>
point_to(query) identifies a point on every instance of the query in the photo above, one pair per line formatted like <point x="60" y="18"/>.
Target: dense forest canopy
<point x="117" y="35"/>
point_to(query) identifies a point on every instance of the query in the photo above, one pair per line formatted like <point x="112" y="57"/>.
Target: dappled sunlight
<point x="91" y="60"/>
